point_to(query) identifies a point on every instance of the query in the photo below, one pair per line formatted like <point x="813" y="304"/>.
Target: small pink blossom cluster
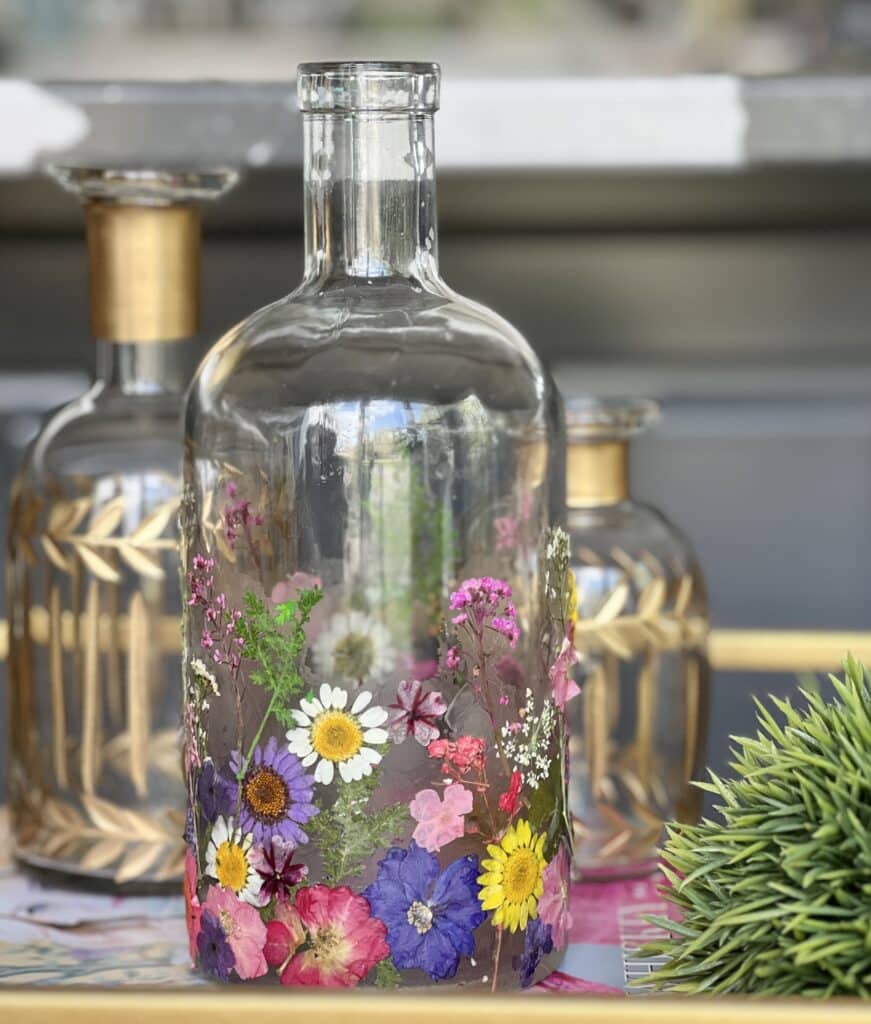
<point x="219" y="622"/>
<point x="459" y="757"/>
<point x="478" y="600"/>
<point x="239" y="517"/>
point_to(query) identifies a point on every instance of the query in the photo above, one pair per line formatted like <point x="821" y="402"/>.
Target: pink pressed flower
<point x="440" y="822"/>
<point x="510" y="799"/>
<point x="553" y="907"/>
<point x="193" y="910"/>
<point x="344" y="941"/>
<point x="415" y="713"/>
<point x="507" y="627"/>
<point x="452" y="658"/>
<point x="219" y="626"/>
<point x="507" y="529"/>
<point x="239" y="517"/>
<point x="244" y="929"/>
<point x="291" y="587"/>
<point x="564" y="686"/>
<point x="284" y="935"/>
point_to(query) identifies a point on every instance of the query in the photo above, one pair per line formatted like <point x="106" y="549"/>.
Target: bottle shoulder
<point x="103" y="433"/>
<point x="636" y="529"/>
<point x="377" y="339"/>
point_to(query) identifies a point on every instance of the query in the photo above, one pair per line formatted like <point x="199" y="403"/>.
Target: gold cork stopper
<point x="597" y="473"/>
<point x="144" y="270"/>
<point x="598" y="431"/>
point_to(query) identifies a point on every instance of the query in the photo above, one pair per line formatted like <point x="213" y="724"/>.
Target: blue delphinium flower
<point x="430" y="914"/>
<point x="537" y="943"/>
<point x="216" y="956"/>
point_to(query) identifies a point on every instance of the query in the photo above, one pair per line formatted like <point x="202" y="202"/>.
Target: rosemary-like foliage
<point x="776" y="898"/>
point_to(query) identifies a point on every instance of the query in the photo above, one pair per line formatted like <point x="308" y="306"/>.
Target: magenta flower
<point x="486" y="602"/>
<point x="416" y="713"/>
<point x="245" y="931"/>
<point x="219" y="622"/>
<point x="440" y="822"/>
<point x="239" y="517"/>
<point x="564" y="686"/>
<point x="452" y="658"/>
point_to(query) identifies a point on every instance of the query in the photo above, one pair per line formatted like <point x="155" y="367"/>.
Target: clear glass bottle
<point x="367" y="484"/>
<point x="640" y="627"/>
<point x="95" y="784"/>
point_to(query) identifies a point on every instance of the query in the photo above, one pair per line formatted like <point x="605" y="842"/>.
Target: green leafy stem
<point x="348" y="832"/>
<point x="276" y="641"/>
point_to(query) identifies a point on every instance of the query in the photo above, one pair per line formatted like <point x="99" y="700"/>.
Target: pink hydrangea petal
<point x="425" y="805"/>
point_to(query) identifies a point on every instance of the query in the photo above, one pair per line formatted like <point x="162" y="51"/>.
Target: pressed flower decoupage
<point x="361" y="812"/>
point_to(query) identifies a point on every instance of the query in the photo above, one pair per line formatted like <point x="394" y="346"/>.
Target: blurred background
<point x="669" y="197"/>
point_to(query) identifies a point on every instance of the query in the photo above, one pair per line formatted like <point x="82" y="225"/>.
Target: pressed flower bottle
<point x="367" y="488"/>
<point x="640" y="627"/>
<point x="95" y="785"/>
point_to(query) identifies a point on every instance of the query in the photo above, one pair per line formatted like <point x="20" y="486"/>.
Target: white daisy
<point x="353" y="646"/>
<point x="228" y="861"/>
<point x="330" y="736"/>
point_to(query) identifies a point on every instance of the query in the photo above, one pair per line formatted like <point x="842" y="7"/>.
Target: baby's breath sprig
<point x="776" y="899"/>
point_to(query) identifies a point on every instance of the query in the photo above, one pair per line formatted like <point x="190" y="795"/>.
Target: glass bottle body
<point x="94" y="781"/>
<point x="366" y="489"/>
<point x="637" y="727"/>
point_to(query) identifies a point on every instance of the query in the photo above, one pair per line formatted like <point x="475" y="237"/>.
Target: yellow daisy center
<point x="266" y="793"/>
<point x="231" y="866"/>
<point x="336" y="736"/>
<point x="520" y="875"/>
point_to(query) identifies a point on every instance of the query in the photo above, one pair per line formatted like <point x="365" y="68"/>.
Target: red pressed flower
<point x="509" y="800"/>
<point x="467" y="753"/>
<point x="415" y="713"/>
<point x="344" y="940"/>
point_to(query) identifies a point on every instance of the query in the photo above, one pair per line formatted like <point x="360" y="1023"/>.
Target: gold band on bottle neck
<point x="144" y="269"/>
<point x="597" y="473"/>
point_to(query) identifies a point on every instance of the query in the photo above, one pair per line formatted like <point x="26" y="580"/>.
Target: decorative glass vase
<point x="640" y="629"/>
<point x="95" y="782"/>
<point x="374" y="758"/>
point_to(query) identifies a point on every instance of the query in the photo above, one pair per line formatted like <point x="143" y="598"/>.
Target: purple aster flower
<point x="430" y="915"/>
<point x="274" y="864"/>
<point x="214" y="792"/>
<point x="216" y="956"/>
<point x="537" y="943"/>
<point x="415" y="713"/>
<point x="276" y="794"/>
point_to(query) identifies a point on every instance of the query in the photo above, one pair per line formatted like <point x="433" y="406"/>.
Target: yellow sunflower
<point x="512" y="879"/>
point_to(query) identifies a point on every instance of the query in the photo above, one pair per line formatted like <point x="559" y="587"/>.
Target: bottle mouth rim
<point x="608" y="419"/>
<point x="360" y="86"/>
<point x="144" y="186"/>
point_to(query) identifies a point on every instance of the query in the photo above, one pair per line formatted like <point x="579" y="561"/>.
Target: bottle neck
<point x="369" y="197"/>
<point x="144" y="271"/>
<point x="597" y="473"/>
<point x="145" y="368"/>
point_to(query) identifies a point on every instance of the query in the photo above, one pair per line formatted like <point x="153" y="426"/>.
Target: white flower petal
<point x="373" y="716"/>
<point x="346" y="770"/>
<point x="376" y="736"/>
<point x="300" y="717"/>
<point x="311" y="707"/>
<point x="340" y="698"/>
<point x="309" y="759"/>
<point x="365" y="768"/>
<point x="326" y="695"/>
<point x="369" y="755"/>
<point x="361" y="701"/>
<point x="324" y="772"/>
